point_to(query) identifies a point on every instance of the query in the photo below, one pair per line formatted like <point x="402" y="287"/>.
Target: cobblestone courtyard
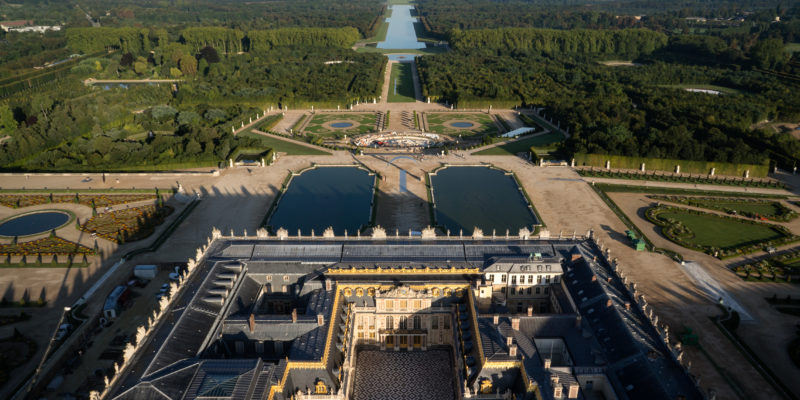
<point x="393" y="375"/>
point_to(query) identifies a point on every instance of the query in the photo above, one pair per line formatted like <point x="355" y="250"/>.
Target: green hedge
<point x="270" y="122"/>
<point x="668" y="165"/>
<point x="534" y="156"/>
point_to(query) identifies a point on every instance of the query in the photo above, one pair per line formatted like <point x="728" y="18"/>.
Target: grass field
<point x="401" y="89"/>
<point x="427" y="50"/>
<point x="768" y="209"/>
<point x="713" y="231"/>
<point x="363" y="123"/>
<point x="285" y="146"/>
<point x="483" y="123"/>
<point x="548" y="140"/>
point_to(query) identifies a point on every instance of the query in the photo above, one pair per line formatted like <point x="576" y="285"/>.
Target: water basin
<point x="466" y="197"/>
<point x="33" y="223"/>
<point x="341" y="124"/>
<point x="462" y="124"/>
<point x="327" y="196"/>
<point x="401" y="34"/>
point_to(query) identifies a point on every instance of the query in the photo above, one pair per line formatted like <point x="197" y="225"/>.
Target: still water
<point x="401" y="34"/>
<point x="31" y="224"/>
<point x="467" y="197"/>
<point x="328" y="196"/>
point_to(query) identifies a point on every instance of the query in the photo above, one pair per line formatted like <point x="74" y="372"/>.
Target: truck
<point x="145" y="271"/>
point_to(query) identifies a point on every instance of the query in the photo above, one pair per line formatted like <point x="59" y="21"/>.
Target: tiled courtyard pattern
<point x="418" y="375"/>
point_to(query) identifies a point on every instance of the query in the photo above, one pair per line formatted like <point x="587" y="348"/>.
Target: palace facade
<point x="406" y="319"/>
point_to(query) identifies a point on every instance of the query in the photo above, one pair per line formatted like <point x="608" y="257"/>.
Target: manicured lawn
<point x="362" y="123"/>
<point x="714" y="231"/>
<point x="427" y="50"/>
<point x="523" y="145"/>
<point x="401" y="89"/>
<point x="766" y="209"/>
<point x="440" y="123"/>
<point x="285" y="146"/>
<point x="752" y="208"/>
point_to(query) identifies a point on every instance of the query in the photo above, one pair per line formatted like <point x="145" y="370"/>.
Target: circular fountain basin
<point x="34" y="223"/>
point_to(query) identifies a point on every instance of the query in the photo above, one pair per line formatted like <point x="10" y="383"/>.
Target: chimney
<point x="609" y="303"/>
<point x="628" y="305"/>
<point x="515" y="323"/>
<point x="558" y="391"/>
<point x="320" y="319"/>
<point x="509" y="341"/>
<point x="547" y="363"/>
<point x="328" y="284"/>
<point x="578" y="321"/>
<point x="609" y="279"/>
<point x="512" y="351"/>
<point x="573" y="391"/>
<point x="530" y="311"/>
<point x="294" y="315"/>
<point x="252" y="322"/>
<point x="594" y="278"/>
<point x="496" y="319"/>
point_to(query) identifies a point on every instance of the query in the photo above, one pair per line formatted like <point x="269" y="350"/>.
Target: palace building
<point x="357" y="318"/>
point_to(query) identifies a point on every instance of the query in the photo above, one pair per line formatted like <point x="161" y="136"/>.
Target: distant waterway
<point x="327" y="196"/>
<point x="401" y="34"/>
<point x="466" y="197"/>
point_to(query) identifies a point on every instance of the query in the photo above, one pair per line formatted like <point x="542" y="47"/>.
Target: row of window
<point x="530" y="278"/>
<point x="403" y="305"/>
<point x="539" y="268"/>
<point x="403" y="322"/>
<point x="522" y="291"/>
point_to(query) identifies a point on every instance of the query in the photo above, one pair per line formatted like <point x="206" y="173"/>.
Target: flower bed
<point x="720" y="236"/>
<point x="48" y="246"/>
<point x="90" y="200"/>
<point x="127" y="225"/>
<point x="751" y="208"/>
<point x="670" y="177"/>
<point x="778" y="268"/>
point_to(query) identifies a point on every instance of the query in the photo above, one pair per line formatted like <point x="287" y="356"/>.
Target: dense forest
<point x="626" y="43"/>
<point x="225" y="40"/>
<point x="440" y="16"/>
<point x="236" y="58"/>
<point x="67" y="125"/>
<point x="240" y="14"/>
<point x="636" y="110"/>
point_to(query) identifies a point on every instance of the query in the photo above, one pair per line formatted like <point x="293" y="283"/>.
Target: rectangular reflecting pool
<point x="339" y="197"/>
<point x="466" y="197"/>
<point x="401" y="34"/>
